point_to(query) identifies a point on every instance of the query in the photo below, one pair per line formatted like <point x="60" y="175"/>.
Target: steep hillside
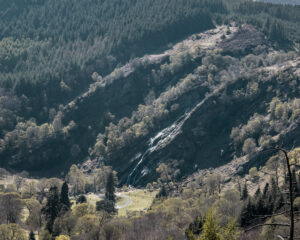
<point x="201" y="110"/>
<point x="134" y="94"/>
<point x="182" y="107"/>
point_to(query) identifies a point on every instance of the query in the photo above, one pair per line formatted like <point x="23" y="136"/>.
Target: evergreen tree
<point x="245" y="193"/>
<point x="64" y="197"/>
<point x="257" y="193"/>
<point x="276" y="33"/>
<point x="211" y="227"/>
<point x="274" y="190"/>
<point x="81" y="199"/>
<point x="108" y="204"/>
<point x="260" y="207"/>
<point x="278" y="203"/>
<point x="51" y="210"/>
<point x="269" y="203"/>
<point x="266" y="190"/>
<point x="266" y="26"/>
<point x="247" y="213"/>
<point x="162" y="192"/>
<point x="195" y="228"/>
<point x="110" y="188"/>
<point x="31" y="235"/>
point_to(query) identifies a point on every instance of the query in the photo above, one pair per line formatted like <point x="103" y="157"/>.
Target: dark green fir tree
<point x="110" y="188"/>
<point x="51" y="209"/>
<point x="64" y="197"/>
<point x="31" y="235"/>
<point x="245" y="193"/>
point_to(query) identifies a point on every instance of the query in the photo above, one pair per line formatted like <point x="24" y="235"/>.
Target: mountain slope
<point x="195" y="102"/>
<point x="190" y="99"/>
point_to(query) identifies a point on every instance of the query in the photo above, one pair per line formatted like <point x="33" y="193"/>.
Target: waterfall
<point x="167" y="135"/>
<point x="153" y="145"/>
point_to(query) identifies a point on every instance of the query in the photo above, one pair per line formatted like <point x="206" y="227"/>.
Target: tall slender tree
<point x="245" y="193"/>
<point x="51" y="209"/>
<point x="64" y="197"/>
<point x="31" y="235"/>
<point x="110" y="188"/>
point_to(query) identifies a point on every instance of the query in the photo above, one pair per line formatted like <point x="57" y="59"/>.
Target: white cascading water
<point x="167" y="135"/>
<point x="152" y="146"/>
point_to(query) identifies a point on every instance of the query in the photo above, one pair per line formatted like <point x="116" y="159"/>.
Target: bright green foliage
<point x="211" y="227"/>
<point x="189" y="235"/>
<point x="62" y="237"/>
<point x="212" y="231"/>
<point x="230" y="231"/>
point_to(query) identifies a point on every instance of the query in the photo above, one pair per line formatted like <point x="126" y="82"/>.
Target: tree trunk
<point x="290" y="193"/>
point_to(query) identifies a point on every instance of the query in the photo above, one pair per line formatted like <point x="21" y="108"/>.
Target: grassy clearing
<point x="141" y="200"/>
<point x="121" y="200"/>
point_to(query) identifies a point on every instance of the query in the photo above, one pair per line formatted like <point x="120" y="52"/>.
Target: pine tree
<point x="266" y="26"/>
<point x="31" y="236"/>
<point x="274" y="190"/>
<point x="269" y="203"/>
<point x="195" y="228"/>
<point x="266" y="190"/>
<point x="257" y="193"/>
<point x="162" y="192"/>
<point x="51" y="210"/>
<point x="278" y="203"/>
<point x="108" y="204"/>
<point x="110" y="188"/>
<point x="247" y="213"/>
<point x="64" y="197"/>
<point x="260" y="207"/>
<point x="245" y="193"/>
<point x="277" y="33"/>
